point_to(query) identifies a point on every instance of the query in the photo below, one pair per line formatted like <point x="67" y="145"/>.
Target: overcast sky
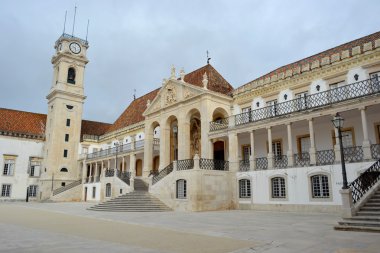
<point x="134" y="43"/>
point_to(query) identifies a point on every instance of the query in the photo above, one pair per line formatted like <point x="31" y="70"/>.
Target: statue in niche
<point x="171" y="95"/>
<point x="195" y="135"/>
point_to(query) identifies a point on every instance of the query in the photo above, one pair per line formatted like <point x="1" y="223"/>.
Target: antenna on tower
<point x="88" y="23"/>
<point x="75" y="13"/>
<point x="134" y="94"/>
<point x="208" y="58"/>
<point x="64" y="24"/>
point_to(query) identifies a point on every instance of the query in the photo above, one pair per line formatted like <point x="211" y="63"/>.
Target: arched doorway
<point x="219" y="150"/>
<point x="156" y="163"/>
<point x="138" y="168"/>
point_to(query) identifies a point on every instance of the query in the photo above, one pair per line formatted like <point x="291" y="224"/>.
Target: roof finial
<point x="208" y="58"/>
<point x="182" y="74"/>
<point x="172" y="75"/>
<point x="134" y="94"/>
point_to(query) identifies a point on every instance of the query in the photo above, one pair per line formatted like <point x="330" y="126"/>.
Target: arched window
<point x="278" y="187"/>
<point x="71" y="75"/>
<point x="244" y="188"/>
<point x="181" y="189"/>
<point x="320" y="186"/>
<point x="108" y="190"/>
<point x="64" y="170"/>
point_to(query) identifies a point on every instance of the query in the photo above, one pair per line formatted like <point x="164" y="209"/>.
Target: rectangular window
<point x="35" y="167"/>
<point x="66" y="137"/>
<point x="9" y="167"/>
<point x="320" y="186"/>
<point x="93" y="192"/>
<point x="244" y="188"/>
<point x="335" y="91"/>
<point x="246" y="152"/>
<point x="32" y="191"/>
<point x="277" y="148"/>
<point x="181" y="189"/>
<point x="68" y="122"/>
<point x="303" y="143"/>
<point x="301" y="100"/>
<point x="6" y="190"/>
<point x="65" y="153"/>
<point x="272" y="108"/>
<point x="84" y="150"/>
<point x="348" y="139"/>
<point x="246" y="117"/>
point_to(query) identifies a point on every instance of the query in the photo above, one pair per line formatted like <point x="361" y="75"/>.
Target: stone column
<point x="290" y="145"/>
<point x="96" y="171"/>
<point x="103" y="173"/>
<point x="183" y="138"/>
<point x="148" y="153"/>
<point x="252" y="164"/>
<point x="164" y="145"/>
<point x="312" y="150"/>
<point x="90" y="176"/>
<point x="132" y="169"/>
<point x="84" y="172"/>
<point x="366" y="143"/>
<point x="270" y="149"/>
<point x="233" y="152"/>
<point x="122" y="164"/>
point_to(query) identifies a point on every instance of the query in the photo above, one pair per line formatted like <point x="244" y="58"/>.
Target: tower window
<point x="70" y="107"/>
<point x="65" y="153"/>
<point x="71" y="76"/>
<point x="67" y="122"/>
<point x="66" y="137"/>
<point x="64" y="170"/>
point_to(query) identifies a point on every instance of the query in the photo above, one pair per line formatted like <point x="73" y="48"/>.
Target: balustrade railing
<point x="109" y="173"/>
<point x="124" y="176"/>
<point x="280" y="161"/>
<point x="244" y="165"/>
<point x="375" y="151"/>
<point x="312" y="101"/>
<point x="139" y="144"/>
<point x="164" y="172"/>
<point x="302" y="159"/>
<point x="186" y="164"/>
<point x="211" y="164"/>
<point x="325" y="157"/>
<point x="261" y="163"/>
<point x="365" y="181"/>
<point x="112" y="151"/>
<point x="353" y="154"/>
<point x="156" y="141"/>
<point x="219" y="124"/>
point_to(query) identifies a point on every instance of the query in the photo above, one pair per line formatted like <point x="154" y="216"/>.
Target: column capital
<point x="362" y="108"/>
<point x="268" y="127"/>
<point x="288" y="123"/>
<point x="311" y="119"/>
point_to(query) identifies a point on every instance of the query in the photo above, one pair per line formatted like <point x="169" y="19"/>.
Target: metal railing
<point x="186" y="164"/>
<point x="244" y="165"/>
<point x="325" y="157"/>
<point x="65" y="35"/>
<point x="280" y="161"/>
<point x="375" y="151"/>
<point x="211" y="164"/>
<point x="67" y="187"/>
<point x="365" y="181"/>
<point x="163" y="173"/>
<point x="219" y="124"/>
<point x="302" y="159"/>
<point x="109" y="173"/>
<point x="156" y="141"/>
<point x="313" y="101"/>
<point x="353" y="154"/>
<point x="112" y="151"/>
<point x="261" y="163"/>
<point x="139" y="144"/>
<point x="124" y="176"/>
<point x="90" y="137"/>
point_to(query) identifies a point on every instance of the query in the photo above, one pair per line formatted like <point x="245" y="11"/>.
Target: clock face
<point x="75" y="48"/>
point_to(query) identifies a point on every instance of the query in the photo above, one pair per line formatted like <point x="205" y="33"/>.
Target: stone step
<point x="359" y="223"/>
<point x="358" y="228"/>
<point x="370" y="208"/>
<point x="368" y="213"/>
<point x="372" y="204"/>
<point x="366" y="218"/>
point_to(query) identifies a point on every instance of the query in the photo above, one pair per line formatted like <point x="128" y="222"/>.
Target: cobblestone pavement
<point x="63" y="227"/>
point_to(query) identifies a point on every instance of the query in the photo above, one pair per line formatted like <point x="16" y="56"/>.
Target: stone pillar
<point x="84" y="172"/>
<point x="366" y="143"/>
<point x="102" y="172"/>
<point x="196" y="162"/>
<point x="164" y="145"/>
<point x="148" y="153"/>
<point x="270" y="149"/>
<point x="122" y="164"/>
<point x="290" y="145"/>
<point x="96" y="171"/>
<point x="347" y="205"/>
<point x="183" y="138"/>
<point x="90" y="176"/>
<point x="312" y="150"/>
<point x="175" y="165"/>
<point x="252" y="164"/>
<point x="211" y="149"/>
<point x="233" y="152"/>
<point x="132" y="169"/>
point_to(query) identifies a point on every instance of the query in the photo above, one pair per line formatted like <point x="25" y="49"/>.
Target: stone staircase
<point x="367" y="219"/>
<point x="138" y="201"/>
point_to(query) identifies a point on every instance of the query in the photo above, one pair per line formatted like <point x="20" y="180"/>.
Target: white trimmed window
<point x="244" y="188"/>
<point x="35" y="168"/>
<point x="9" y="167"/>
<point x="320" y="186"/>
<point x="33" y="191"/>
<point x="6" y="190"/>
<point x="278" y="187"/>
<point x="108" y="190"/>
<point x="181" y="189"/>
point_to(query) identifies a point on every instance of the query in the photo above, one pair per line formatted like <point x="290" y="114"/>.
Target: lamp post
<point x="338" y="124"/>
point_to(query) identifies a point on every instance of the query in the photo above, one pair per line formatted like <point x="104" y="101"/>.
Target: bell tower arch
<point x="64" y="117"/>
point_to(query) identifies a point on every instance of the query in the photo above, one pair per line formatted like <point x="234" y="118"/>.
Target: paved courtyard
<point x="69" y="227"/>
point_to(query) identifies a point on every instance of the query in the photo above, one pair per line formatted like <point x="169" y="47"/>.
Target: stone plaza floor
<point x="69" y="227"/>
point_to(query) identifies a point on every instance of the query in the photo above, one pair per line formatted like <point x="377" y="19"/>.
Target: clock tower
<point x="64" y="117"/>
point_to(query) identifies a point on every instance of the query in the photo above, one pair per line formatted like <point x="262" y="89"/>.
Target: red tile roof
<point x="29" y="123"/>
<point x="216" y="82"/>
<point x="133" y="113"/>
<point x="319" y="56"/>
